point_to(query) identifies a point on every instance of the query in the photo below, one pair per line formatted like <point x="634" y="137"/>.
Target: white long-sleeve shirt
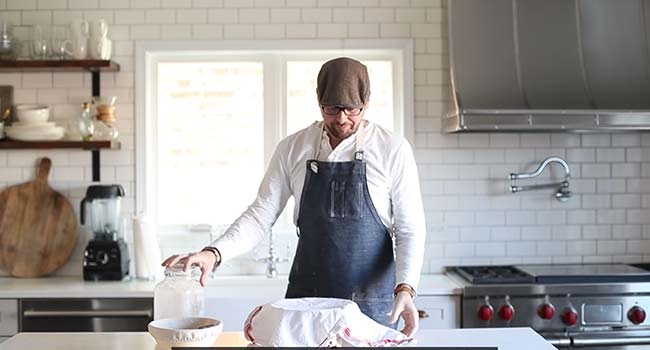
<point x="392" y="182"/>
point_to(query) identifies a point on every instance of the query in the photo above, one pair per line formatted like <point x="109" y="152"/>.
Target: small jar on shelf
<point x="85" y="123"/>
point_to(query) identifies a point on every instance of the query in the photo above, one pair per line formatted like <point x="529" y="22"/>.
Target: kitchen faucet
<point x="271" y="260"/>
<point x="563" y="194"/>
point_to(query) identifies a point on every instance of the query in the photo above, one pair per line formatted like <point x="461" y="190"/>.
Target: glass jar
<point x="85" y="123"/>
<point x="180" y="294"/>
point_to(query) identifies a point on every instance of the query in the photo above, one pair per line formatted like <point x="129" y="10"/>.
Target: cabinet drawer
<point x="439" y="311"/>
<point x="8" y="317"/>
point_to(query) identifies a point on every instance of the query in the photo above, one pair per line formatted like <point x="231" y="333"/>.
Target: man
<point x="357" y="192"/>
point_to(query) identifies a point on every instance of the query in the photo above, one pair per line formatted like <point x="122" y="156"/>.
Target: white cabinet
<point x="439" y="311"/>
<point x="8" y="318"/>
<point x="232" y="311"/>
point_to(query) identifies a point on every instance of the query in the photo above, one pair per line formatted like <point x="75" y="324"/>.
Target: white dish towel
<point x="318" y="322"/>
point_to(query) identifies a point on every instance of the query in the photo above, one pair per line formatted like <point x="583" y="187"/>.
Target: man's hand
<point x="205" y="260"/>
<point x="405" y="307"/>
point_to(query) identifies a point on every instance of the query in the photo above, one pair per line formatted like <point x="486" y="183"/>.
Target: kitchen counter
<point x="503" y="338"/>
<point x="220" y="286"/>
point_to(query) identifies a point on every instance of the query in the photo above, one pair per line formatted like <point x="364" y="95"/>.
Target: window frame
<point x="272" y="53"/>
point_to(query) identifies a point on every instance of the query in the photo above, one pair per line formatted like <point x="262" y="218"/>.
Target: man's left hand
<point x="405" y="307"/>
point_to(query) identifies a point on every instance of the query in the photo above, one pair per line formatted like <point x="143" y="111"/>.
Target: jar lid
<point x="177" y="271"/>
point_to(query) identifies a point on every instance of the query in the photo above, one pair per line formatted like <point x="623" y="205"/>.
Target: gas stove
<point x="598" y="306"/>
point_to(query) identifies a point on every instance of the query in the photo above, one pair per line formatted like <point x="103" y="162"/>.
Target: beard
<point x="341" y="131"/>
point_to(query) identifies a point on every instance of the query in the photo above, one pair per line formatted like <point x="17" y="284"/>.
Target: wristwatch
<point x="217" y="255"/>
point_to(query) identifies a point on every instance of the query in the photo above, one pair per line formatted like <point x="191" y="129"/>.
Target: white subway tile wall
<point x="471" y="216"/>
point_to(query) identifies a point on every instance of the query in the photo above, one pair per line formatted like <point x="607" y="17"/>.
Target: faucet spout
<point x="540" y="169"/>
<point x="562" y="194"/>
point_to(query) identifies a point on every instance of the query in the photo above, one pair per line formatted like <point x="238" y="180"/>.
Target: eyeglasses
<point x="335" y="110"/>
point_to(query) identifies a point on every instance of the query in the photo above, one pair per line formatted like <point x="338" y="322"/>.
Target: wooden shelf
<point x="59" y="66"/>
<point x="92" y="146"/>
<point x="95" y="68"/>
<point x="85" y="145"/>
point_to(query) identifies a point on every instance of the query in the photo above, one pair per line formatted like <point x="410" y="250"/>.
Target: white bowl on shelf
<point x="51" y="133"/>
<point x="32" y="113"/>
<point x="31" y="126"/>
<point x="185" y="331"/>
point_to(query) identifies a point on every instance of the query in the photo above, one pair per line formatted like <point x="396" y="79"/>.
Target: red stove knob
<point x="570" y="316"/>
<point x="636" y="315"/>
<point x="485" y="312"/>
<point x="546" y="311"/>
<point x="507" y="312"/>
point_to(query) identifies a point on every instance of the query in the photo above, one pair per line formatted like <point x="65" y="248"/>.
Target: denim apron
<point x="344" y="250"/>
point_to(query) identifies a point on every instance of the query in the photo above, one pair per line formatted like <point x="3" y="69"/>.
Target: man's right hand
<point x="205" y="260"/>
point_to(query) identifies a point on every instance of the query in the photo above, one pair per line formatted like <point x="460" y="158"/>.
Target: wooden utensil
<point x="38" y="227"/>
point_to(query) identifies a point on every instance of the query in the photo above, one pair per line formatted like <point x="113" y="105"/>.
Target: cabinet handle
<point x="423" y="314"/>
<point x="88" y="313"/>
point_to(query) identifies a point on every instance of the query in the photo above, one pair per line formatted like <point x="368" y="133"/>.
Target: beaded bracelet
<point x="403" y="287"/>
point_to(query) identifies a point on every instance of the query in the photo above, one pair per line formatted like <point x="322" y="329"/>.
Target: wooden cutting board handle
<point x="38" y="227"/>
<point x="43" y="170"/>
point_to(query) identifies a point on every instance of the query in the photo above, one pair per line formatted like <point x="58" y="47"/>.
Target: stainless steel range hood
<point x="549" y="65"/>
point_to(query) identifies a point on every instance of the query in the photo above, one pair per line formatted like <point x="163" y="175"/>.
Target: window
<point x="210" y="120"/>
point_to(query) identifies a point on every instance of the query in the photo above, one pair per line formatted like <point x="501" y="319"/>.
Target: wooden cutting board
<point x="38" y="227"/>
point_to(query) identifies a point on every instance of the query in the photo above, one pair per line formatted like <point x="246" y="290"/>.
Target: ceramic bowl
<point x="32" y="113"/>
<point x="186" y="331"/>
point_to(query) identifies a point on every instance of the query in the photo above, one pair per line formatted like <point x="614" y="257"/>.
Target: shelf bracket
<point x="95" y="164"/>
<point x="94" y="74"/>
<point x="95" y="84"/>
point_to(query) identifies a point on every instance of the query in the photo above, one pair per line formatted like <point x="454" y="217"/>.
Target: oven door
<point x="610" y="340"/>
<point x="86" y="315"/>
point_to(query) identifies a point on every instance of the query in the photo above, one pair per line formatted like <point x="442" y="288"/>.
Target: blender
<point x="106" y="256"/>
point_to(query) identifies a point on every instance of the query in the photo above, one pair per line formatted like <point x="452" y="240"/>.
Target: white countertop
<point x="220" y="286"/>
<point x="503" y="338"/>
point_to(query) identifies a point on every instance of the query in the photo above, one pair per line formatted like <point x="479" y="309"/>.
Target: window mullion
<point x="273" y="106"/>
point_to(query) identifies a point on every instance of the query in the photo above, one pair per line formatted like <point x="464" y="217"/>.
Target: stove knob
<point x="570" y="316"/>
<point x="546" y="311"/>
<point x="636" y="315"/>
<point x="507" y="312"/>
<point x="485" y="312"/>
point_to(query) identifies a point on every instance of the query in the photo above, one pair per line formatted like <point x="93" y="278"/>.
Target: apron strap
<point x="361" y="133"/>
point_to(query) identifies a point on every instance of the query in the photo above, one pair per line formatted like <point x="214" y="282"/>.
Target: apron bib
<point x="344" y="250"/>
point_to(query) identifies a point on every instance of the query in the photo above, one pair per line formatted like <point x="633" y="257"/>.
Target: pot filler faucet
<point x="563" y="194"/>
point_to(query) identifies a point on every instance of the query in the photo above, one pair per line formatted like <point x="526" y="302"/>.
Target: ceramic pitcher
<point x="77" y="47"/>
<point x="98" y="29"/>
<point x="78" y="28"/>
<point x="100" y="48"/>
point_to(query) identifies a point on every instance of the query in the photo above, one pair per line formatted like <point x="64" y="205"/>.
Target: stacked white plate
<point x="34" y="131"/>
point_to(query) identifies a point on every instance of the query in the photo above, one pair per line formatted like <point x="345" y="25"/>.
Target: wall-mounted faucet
<point x="563" y="194"/>
<point x="271" y="259"/>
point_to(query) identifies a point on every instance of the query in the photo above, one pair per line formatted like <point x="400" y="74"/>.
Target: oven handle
<point x="561" y="342"/>
<point x="88" y="313"/>
<point x="584" y="342"/>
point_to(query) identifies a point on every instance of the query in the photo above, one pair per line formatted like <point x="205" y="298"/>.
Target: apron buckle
<point x="314" y="167"/>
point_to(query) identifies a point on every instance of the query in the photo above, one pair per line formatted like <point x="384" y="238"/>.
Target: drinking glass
<point x="60" y="44"/>
<point x="40" y="45"/>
